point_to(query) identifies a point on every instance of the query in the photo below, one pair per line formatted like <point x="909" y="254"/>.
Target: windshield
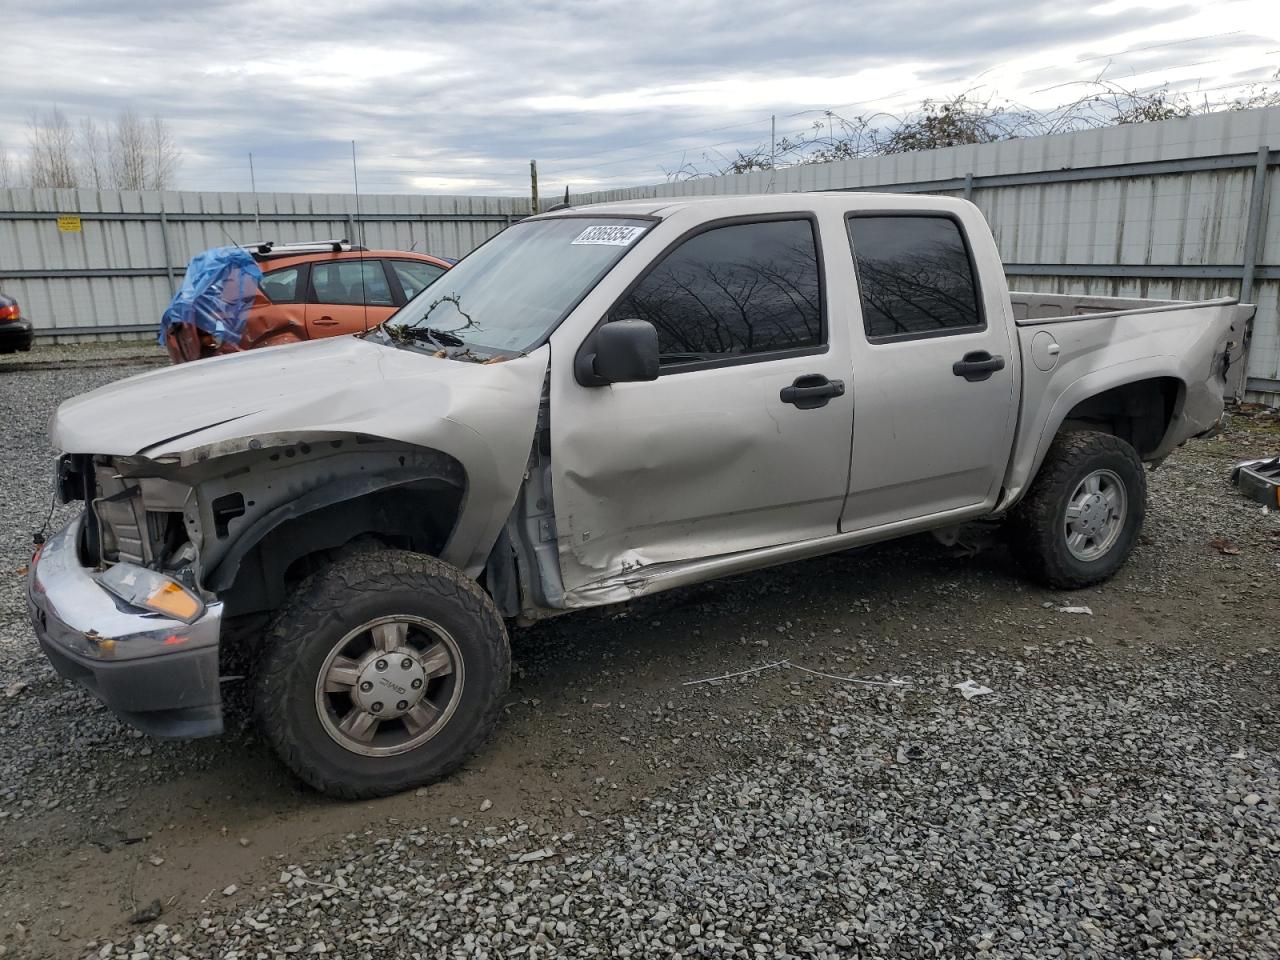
<point x="509" y="293"/>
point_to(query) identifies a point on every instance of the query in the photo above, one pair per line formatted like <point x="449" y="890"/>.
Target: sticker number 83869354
<point x="611" y="235"/>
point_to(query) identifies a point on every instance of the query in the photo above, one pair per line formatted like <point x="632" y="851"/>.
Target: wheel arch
<point x="1140" y="402"/>
<point x="416" y="516"/>
<point x="1140" y="412"/>
<point x="412" y="498"/>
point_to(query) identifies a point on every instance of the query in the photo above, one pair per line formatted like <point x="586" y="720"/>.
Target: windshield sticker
<point x="609" y="235"/>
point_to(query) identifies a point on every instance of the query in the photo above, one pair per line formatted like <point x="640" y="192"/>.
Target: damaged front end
<point x="210" y="490"/>
<point x="169" y="549"/>
<point x="133" y="514"/>
<point x="115" y="601"/>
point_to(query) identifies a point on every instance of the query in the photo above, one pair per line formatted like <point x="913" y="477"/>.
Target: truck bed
<point x="1033" y="308"/>
<point x="1074" y="348"/>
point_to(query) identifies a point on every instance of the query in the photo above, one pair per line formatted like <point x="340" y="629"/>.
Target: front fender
<point x="370" y="467"/>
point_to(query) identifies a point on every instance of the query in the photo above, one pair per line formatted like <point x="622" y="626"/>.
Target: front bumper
<point x="156" y="673"/>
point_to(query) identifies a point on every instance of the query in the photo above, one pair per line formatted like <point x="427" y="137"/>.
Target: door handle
<point x="978" y="365"/>
<point x="811" y="391"/>
<point x="325" y="322"/>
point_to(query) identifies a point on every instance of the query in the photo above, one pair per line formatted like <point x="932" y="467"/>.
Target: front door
<point x="935" y="392"/>
<point x="743" y="440"/>
<point x="347" y="296"/>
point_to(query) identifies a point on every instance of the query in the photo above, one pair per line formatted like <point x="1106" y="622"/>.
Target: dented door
<point x="738" y="444"/>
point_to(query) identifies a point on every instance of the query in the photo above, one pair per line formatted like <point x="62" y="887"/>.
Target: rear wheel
<point x="384" y="671"/>
<point x="1080" y="520"/>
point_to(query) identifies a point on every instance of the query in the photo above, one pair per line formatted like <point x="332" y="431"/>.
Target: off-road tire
<point x="335" y="600"/>
<point x="1036" y="528"/>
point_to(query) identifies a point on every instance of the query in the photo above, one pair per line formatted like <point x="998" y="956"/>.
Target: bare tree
<point x="129" y="156"/>
<point x="165" y="155"/>
<point x="51" y="150"/>
<point x="143" y="154"/>
<point x="95" y="167"/>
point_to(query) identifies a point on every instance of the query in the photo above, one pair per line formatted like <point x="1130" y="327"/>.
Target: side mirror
<point x="620" y="352"/>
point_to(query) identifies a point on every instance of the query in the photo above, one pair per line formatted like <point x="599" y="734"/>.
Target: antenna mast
<point x="355" y="179"/>
<point x="253" y="186"/>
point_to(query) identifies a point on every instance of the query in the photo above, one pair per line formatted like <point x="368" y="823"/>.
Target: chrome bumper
<point x="156" y="673"/>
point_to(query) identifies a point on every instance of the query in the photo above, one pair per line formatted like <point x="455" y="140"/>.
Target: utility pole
<point x="533" y="183"/>
<point x="773" y="141"/>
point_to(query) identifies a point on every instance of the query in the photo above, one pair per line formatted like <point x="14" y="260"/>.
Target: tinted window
<point x="281" y="286"/>
<point x="340" y="282"/>
<point x="915" y="276"/>
<point x="415" y="274"/>
<point x="742" y="289"/>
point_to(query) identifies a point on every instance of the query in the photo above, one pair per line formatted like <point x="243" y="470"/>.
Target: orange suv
<point x="312" y="290"/>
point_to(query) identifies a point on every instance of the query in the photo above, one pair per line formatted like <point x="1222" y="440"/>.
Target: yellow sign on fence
<point x="69" y="224"/>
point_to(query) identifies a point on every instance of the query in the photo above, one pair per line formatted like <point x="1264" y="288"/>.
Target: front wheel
<point x="1080" y="520"/>
<point x="384" y="671"/>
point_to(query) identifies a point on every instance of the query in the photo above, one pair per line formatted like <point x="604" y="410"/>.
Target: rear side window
<point x="341" y="281"/>
<point x="281" y="286"/>
<point x="732" y="291"/>
<point x="915" y="277"/>
<point x="414" y="275"/>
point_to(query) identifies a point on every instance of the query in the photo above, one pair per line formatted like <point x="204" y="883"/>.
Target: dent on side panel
<point x="524" y="568"/>
<point x="698" y="444"/>
<point x="695" y="466"/>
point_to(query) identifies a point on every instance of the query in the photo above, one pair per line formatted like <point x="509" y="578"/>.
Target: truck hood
<point x="338" y="385"/>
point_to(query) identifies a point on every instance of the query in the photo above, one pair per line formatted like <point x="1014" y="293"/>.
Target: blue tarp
<point x="216" y="294"/>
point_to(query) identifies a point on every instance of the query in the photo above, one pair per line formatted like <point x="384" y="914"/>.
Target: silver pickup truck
<point x="597" y="404"/>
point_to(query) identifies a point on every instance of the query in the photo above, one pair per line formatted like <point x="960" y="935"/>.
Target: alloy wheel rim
<point x="389" y="685"/>
<point x="1095" y="515"/>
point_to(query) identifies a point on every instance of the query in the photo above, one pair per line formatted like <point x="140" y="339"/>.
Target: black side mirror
<point x="620" y="352"/>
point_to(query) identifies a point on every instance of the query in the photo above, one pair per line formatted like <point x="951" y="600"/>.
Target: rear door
<point x="743" y="440"/>
<point x="935" y="384"/>
<point x="347" y="296"/>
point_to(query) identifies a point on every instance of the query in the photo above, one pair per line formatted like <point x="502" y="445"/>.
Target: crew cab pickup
<point x="597" y="404"/>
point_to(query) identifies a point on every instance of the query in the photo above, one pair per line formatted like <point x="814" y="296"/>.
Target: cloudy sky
<point x="457" y="98"/>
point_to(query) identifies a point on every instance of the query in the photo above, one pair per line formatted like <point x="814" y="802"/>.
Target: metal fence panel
<point x="118" y="271"/>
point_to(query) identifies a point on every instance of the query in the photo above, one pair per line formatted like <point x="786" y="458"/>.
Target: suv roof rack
<point x="262" y="249"/>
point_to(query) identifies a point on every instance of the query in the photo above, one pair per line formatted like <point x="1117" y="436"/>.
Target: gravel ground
<point x="1115" y="795"/>
<point x="1043" y="820"/>
<point x="114" y="352"/>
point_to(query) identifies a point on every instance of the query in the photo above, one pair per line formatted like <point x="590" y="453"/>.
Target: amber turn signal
<point x="152" y="591"/>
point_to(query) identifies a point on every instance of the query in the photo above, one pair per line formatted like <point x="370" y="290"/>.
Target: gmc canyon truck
<point x="597" y="404"/>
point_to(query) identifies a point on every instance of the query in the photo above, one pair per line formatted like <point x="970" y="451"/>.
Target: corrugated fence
<point x="89" y="262"/>
<point x="1181" y="209"/>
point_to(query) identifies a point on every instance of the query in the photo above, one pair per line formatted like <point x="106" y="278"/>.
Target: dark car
<point x="15" y="332"/>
